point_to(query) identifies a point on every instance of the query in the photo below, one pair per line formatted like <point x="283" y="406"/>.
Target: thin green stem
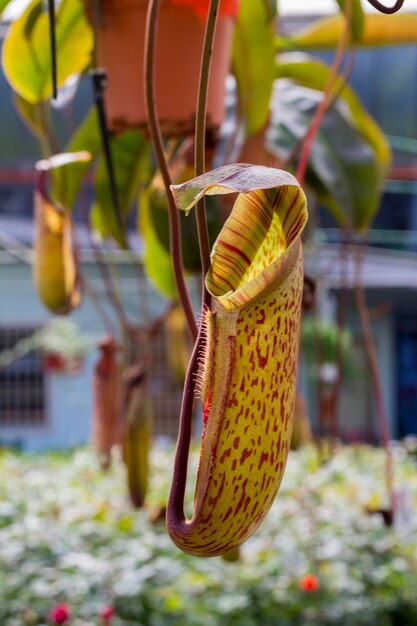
<point x="101" y="311"/>
<point x="341" y="324"/>
<point x="176" y="518"/>
<point x="372" y="357"/>
<point x="200" y="134"/>
<point x="104" y="269"/>
<point x="156" y="137"/>
<point x="175" y="511"/>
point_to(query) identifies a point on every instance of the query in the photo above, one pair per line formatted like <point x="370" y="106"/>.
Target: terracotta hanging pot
<point x="120" y="50"/>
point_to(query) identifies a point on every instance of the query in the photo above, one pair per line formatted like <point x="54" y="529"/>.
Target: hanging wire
<point x="96" y="21"/>
<point x="387" y="10"/>
<point x="52" y="39"/>
<point x="99" y="79"/>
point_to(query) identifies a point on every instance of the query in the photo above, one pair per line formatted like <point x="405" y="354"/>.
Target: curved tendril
<point x="175" y="512"/>
<point x="157" y="143"/>
<point x="387" y="10"/>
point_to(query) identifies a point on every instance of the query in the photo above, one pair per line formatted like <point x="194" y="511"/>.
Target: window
<point x="407" y="374"/>
<point x="165" y="389"/>
<point x="22" y="384"/>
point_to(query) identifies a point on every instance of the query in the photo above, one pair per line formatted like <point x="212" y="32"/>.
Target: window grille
<point x="165" y="389"/>
<point x="22" y="384"/>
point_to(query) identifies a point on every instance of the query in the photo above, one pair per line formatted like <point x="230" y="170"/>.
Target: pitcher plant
<point x="55" y="266"/>
<point x="247" y="357"/>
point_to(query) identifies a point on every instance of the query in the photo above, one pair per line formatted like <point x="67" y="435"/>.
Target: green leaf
<point x="343" y="168"/>
<point x="156" y="257"/>
<point x="26" y="50"/>
<point x="314" y="74"/>
<point x="130" y="152"/>
<point x="253" y="62"/>
<point x="3" y="4"/>
<point x="31" y="115"/>
<point x="358" y="18"/>
<point x="160" y="224"/>
<point x="379" y="30"/>
<point x="190" y="252"/>
<point x="67" y="181"/>
<point x="34" y="13"/>
<point x="271" y="7"/>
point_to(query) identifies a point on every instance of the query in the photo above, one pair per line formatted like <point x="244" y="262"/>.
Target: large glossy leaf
<point x="66" y="181"/>
<point x="343" y="168"/>
<point x="310" y="72"/>
<point x="253" y="62"/>
<point x="26" y="50"/>
<point x="130" y="153"/>
<point x="379" y="30"/>
<point x="156" y="258"/>
<point x="357" y="19"/>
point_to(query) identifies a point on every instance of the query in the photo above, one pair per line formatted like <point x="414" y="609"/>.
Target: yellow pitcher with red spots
<point x="248" y="358"/>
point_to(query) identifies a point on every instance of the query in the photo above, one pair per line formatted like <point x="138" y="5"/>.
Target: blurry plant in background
<point x="61" y="343"/>
<point x="327" y="350"/>
<point x="326" y="336"/>
<point x="319" y="558"/>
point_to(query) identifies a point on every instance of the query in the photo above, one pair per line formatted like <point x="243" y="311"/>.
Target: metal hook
<point x="52" y="39"/>
<point x="99" y="78"/>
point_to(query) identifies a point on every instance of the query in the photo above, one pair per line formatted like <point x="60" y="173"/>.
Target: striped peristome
<point x="248" y="369"/>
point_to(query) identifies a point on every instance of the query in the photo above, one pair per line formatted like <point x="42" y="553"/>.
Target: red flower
<point x="106" y="613"/>
<point x="309" y="583"/>
<point x="60" y="613"/>
<point x="201" y="7"/>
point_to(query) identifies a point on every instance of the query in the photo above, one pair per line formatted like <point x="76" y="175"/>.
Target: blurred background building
<point x="42" y="409"/>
